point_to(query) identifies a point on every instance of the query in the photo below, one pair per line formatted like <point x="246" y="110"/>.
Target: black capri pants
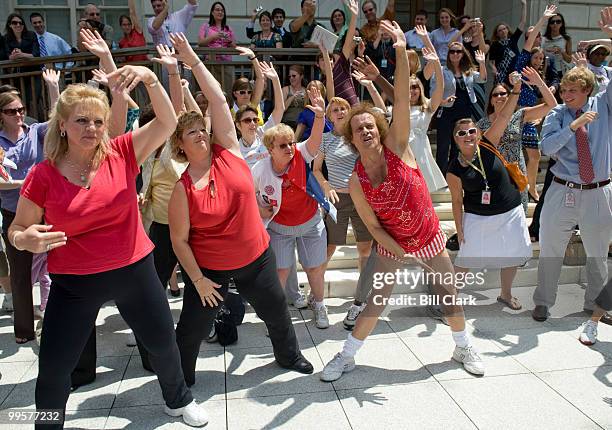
<point x="74" y="302"/>
<point x="256" y="282"/>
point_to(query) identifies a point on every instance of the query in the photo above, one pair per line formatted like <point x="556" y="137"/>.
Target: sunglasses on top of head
<point x="463" y="133"/>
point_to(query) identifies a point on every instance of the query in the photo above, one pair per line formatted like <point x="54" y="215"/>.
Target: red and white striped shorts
<point x="433" y="248"/>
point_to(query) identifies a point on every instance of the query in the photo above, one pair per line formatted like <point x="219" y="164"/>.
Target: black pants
<point x="71" y="313"/>
<point x="20" y="266"/>
<point x="604" y="299"/>
<point x="534" y="228"/>
<point x="258" y="283"/>
<point x="444" y="139"/>
<point x="163" y="254"/>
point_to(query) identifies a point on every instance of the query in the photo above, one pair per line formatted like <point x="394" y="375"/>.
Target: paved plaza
<point x="537" y="374"/>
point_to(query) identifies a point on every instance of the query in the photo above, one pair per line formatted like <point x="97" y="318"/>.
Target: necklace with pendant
<point x="83" y="173"/>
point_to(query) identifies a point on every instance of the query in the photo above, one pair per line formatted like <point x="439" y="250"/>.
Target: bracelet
<point x="151" y="84"/>
<point x="516" y="93"/>
<point x="196" y="64"/>
<point x="200" y="279"/>
<point x="174" y="74"/>
<point x="15" y="243"/>
<point x="252" y="58"/>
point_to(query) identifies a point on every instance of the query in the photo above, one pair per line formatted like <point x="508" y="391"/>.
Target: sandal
<point x="22" y="340"/>
<point x="513" y="303"/>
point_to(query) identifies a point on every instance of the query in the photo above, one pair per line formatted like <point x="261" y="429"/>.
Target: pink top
<point x="102" y="223"/>
<point x="402" y="204"/>
<point x="222" y="42"/>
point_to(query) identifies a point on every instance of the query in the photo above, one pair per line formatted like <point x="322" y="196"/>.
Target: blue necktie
<point x="43" y="47"/>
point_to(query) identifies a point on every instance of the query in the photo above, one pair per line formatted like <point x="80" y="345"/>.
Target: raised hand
<point x="361" y="78"/>
<point x="51" y="77"/>
<point x="606" y="21"/>
<point x="533" y="76"/>
<point x="480" y="56"/>
<point x="397" y="34"/>
<point x="421" y="31"/>
<point x="367" y="67"/>
<point x="166" y="58"/>
<point x="268" y="70"/>
<point x="317" y="103"/>
<point x="352" y="5"/>
<point x="584" y="119"/>
<point x="515" y="80"/>
<point x="245" y="52"/>
<point x="579" y="59"/>
<point x="184" y="51"/>
<point x="100" y="77"/>
<point x="94" y="42"/>
<point x="128" y="77"/>
<point x="550" y="11"/>
<point x="430" y="54"/>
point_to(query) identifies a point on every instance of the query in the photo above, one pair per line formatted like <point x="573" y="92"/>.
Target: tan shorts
<point x="336" y="232"/>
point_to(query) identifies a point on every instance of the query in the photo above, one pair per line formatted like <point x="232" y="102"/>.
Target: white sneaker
<point x="336" y="367"/>
<point x="7" y="303"/>
<point x="470" y="359"/>
<point x="311" y="302"/>
<point x="131" y="339"/>
<point x="321" y="319"/>
<point x="300" y="302"/>
<point x="351" y="316"/>
<point x="193" y="414"/>
<point x="589" y="334"/>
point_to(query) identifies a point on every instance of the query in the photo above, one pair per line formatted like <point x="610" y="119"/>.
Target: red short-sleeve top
<point x="102" y="223"/>
<point x="226" y="231"/>
<point x="134" y="40"/>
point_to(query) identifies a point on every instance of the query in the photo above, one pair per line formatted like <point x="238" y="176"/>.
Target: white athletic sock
<point x="593" y="323"/>
<point x="319" y="305"/>
<point x="461" y="338"/>
<point x="351" y="346"/>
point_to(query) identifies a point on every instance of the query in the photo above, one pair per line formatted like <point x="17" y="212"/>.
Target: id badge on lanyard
<point x="486" y="196"/>
<point x="570" y="199"/>
<point x="383" y="63"/>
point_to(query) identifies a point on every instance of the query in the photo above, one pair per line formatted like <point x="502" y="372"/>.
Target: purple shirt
<point x="175" y="22"/>
<point x="25" y="153"/>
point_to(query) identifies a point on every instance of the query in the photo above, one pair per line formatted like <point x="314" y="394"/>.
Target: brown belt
<point x="581" y="186"/>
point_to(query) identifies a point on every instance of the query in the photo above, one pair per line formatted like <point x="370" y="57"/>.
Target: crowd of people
<point x="105" y="200"/>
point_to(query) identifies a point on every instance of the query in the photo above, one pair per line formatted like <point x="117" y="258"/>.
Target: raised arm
<point x="279" y="101"/>
<point x="152" y="135"/>
<point x="523" y="15"/>
<point x="134" y="16"/>
<point x="482" y="65"/>
<point x="400" y="128"/>
<point x="605" y="23"/>
<point x="95" y="44"/>
<point x="369" y="85"/>
<point x="548" y="12"/>
<point x="170" y="63"/>
<point x="225" y="130"/>
<point x="421" y="31"/>
<point x="118" y="116"/>
<point x="307" y="14"/>
<point x="436" y="98"/>
<point x="479" y="35"/>
<point x="260" y="81"/>
<point x="458" y="37"/>
<point x="317" y="106"/>
<point x="495" y="132"/>
<point x="347" y="48"/>
<point x="540" y="111"/>
<point x="329" y="74"/>
<point x="159" y="19"/>
<point x="51" y="78"/>
<point x="371" y="72"/>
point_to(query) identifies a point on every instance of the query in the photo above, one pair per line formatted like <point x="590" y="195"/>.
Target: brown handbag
<point x="519" y="178"/>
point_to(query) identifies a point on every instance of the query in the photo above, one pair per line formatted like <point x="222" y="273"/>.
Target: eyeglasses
<point x="17" y="23"/>
<point x="85" y="122"/>
<point x="249" y="120"/>
<point x="556" y="21"/>
<point x="456" y="51"/>
<point x="463" y="133"/>
<point x="14" y="111"/>
<point x="284" y="146"/>
<point x="244" y="92"/>
<point x="500" y="94"/>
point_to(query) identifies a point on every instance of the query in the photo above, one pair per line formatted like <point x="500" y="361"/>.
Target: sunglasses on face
<point x="556" y="21"/>
<point x="368" y="10"/>
<point x="463" y="133"/>
<point x="17" y="23"/>
<point x="500" y="94"/>
<point x="14" y="111"/>
<point x="94" y="14"/>
<point x="456" y="51"/>
<point x="245" y="92"/>
<point x="284" y="146"/>
<point x="249" y="120"/>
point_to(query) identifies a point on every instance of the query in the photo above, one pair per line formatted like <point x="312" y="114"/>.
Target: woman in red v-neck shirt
<point x="216" y="230"/>
<point x="85" y="191"/>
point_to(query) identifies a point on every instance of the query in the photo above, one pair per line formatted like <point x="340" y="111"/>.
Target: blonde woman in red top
<point x="391" y="197"/>
<point x="216" y="230"/>
<point x="85" y="194"/>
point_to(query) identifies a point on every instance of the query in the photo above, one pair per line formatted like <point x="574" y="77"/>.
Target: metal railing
<point x="25" y="74"/>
